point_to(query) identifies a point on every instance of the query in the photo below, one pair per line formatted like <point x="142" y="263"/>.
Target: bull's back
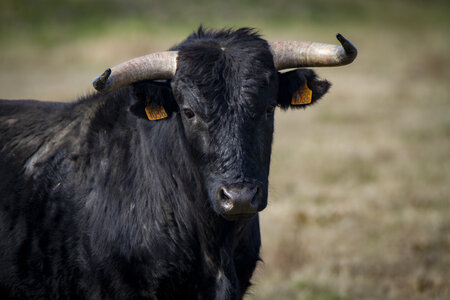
<point x="32" y="221"/>
<point x="26" y="124"/>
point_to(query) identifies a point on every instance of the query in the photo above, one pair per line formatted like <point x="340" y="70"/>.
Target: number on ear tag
<point x="302" y="96"/>
<point x="155" y="111"/>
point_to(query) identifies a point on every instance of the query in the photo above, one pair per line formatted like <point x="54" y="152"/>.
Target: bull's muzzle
<point x="242" y="200"/>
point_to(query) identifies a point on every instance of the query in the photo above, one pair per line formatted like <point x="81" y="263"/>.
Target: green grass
<point x="53" y="21"/>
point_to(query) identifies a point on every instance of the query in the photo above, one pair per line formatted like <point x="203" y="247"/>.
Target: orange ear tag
<point x="302" y="96"/>
<point x="155" y="111"/>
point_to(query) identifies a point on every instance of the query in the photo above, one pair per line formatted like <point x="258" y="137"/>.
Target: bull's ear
<point x="300" y="88"/>
<point x="155" y="100"/>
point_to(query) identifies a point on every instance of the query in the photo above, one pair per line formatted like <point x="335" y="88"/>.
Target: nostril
<point x="226" y="199"/>
<point x="223" y="194"/>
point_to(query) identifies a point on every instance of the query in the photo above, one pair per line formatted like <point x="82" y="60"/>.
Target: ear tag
<point x="302" y="96"/>
<point x="155" y="112"/>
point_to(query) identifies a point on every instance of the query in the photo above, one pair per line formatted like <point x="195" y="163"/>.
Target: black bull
<point x="99" y="202"/>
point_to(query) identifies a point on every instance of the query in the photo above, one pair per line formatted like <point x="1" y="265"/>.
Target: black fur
<point x="98" y="202"/>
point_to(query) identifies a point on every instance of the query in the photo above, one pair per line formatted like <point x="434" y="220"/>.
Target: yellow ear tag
<point x="155" y="111"/>
<point x="302" y="96"/>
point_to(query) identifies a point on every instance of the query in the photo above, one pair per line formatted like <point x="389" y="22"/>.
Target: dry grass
<point x="359" y="197"/>
<point x="359" y="205"/>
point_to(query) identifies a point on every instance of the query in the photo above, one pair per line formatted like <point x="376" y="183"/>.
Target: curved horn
<point x="296" y="54"/>
<point x="160" y="65"/>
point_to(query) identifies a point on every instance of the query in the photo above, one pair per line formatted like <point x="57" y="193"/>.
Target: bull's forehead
<point x="217" y="78"/>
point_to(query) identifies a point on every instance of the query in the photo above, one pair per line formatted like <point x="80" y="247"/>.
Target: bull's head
<point x="224" y="89"/>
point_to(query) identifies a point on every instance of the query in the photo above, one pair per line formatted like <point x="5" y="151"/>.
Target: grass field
<point x="360" y="183"/>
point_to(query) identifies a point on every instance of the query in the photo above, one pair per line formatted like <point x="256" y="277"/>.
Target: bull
<point x="151" y="187"/>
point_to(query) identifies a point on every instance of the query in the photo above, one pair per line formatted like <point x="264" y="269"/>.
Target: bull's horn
<point x="160" y="65"/>
<point x="296" y="54"/>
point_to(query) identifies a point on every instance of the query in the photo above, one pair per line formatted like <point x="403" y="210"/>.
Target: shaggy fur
<point x="98" y="202"/>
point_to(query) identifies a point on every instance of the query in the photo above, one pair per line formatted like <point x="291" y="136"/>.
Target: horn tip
<point x="99" y="83"/>
<point x="349" y="48"/>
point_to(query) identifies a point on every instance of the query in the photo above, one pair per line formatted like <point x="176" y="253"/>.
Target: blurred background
<point x="360" y="183"/>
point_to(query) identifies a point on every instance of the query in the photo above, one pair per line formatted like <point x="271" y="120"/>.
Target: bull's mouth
<point x="238" y="217"/>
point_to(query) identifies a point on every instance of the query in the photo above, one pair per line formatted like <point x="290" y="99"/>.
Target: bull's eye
<point x="270" y="111"/>
<point x="188" y="113"/>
